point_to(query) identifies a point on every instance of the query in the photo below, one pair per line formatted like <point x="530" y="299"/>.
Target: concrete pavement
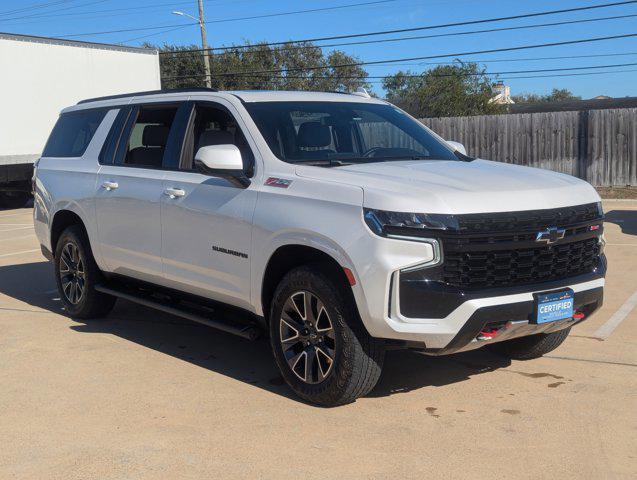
<point x="143" y="395"/>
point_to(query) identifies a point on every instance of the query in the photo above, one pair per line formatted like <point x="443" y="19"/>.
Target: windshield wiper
<point x="324" y="163"/>
<point x="355" y="160"/>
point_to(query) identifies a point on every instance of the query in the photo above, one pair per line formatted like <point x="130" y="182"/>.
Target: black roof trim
<point x="145" y="93"/>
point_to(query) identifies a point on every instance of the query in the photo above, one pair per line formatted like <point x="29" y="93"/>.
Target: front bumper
<point x="511" y="312"/>
<point x="512" y="321"/>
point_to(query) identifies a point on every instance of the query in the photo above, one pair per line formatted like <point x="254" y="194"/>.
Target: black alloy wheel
<point x="72" y="274"/>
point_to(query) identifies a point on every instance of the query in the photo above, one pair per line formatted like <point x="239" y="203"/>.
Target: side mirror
<point x="222" y="161"/>
<point x="457" y="146"/>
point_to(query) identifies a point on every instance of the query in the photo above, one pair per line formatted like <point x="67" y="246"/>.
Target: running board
<point x="249" y="332"/>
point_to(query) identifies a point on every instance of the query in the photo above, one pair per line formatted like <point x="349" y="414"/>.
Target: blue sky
<point x="71" y="17"/>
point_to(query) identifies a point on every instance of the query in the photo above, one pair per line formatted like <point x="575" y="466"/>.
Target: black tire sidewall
<point x="75" y="235"/>
<point x="337" y="309"/>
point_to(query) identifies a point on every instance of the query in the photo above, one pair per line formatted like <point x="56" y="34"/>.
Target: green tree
<point x="557" y="95"/>
<point x="239" y="68"/>
<point x="460" y="89"/>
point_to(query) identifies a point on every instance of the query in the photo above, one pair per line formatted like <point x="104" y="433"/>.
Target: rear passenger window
<point x="149" y="136"/>
<point x="72" y="133"/>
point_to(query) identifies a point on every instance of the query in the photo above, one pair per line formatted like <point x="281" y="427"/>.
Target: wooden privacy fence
<point x="599" y="146"/>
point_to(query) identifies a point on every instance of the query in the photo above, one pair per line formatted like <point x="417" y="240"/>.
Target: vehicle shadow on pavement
<point x="234" y="357"/>
<point x="625" y="219"/>
<point x="408" y="370"/>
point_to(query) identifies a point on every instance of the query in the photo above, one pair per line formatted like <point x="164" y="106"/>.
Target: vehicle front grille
<point x="528" y="220"/>
<point x="511" y="267"/>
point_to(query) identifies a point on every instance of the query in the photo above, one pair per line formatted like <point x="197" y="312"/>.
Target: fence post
<point x="583" y="159"/>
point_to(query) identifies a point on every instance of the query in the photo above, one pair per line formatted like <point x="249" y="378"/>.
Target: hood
<point x="454" y="187"/>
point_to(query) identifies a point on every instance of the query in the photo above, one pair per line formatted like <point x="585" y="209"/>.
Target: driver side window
<point x="214" y="125"/>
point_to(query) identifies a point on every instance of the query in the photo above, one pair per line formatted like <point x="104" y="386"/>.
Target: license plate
<point x="554" y="306"/>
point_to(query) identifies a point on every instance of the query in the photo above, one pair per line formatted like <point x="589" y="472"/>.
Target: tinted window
<point x="149" y="136"/>
<point x="110" y="145"/>
<point x="72" y="133"/>
<point x="337" y="133"/>
<point x="214" y="125"/>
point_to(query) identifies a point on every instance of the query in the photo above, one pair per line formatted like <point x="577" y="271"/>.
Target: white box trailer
<point x="39" y="77"/>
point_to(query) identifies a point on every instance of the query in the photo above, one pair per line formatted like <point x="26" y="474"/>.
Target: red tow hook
<point x="578" y="316"/>
<point x="487" y="335"/>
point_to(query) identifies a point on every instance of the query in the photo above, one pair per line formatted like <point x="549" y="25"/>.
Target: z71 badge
<point x="278" y="182"/>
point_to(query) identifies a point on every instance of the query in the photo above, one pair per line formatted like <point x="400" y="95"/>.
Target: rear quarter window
<point x="72" y="133"/>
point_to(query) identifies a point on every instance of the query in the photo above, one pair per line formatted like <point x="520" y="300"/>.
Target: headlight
<point x="400" y="224"/>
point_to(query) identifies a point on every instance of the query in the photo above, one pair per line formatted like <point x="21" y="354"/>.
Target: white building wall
<point x="39" y="77"/>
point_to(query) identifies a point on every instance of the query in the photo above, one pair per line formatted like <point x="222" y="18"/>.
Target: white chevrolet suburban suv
<point x="336" y="222"/>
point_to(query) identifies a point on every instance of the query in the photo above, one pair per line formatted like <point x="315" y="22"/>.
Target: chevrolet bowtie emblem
<point x="550" y="235"/>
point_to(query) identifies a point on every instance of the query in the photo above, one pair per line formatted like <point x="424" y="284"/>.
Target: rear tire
<point x="320" y="345"/>
<point x="14" y="199"/>
<point x="77" y="274"/>
<point x="533" y="346"/>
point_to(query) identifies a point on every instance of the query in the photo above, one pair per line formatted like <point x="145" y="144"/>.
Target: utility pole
<point x="204" y="44"/>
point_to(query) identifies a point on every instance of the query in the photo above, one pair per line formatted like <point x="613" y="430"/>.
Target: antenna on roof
<point x="361" y="92"/>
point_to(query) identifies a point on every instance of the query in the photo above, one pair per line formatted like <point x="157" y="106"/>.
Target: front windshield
<point x="342" y="133"/>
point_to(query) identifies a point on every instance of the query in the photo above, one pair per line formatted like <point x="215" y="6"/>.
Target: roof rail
<point x="148" y="92"/>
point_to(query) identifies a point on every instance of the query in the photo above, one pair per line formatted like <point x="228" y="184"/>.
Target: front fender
<point x="302" y="215"/>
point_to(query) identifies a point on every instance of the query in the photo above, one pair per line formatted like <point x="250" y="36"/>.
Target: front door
<point x="206" y="221"/>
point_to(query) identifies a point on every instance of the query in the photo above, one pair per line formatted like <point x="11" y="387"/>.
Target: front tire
<point x="77" y="274"/>
<point x="320" y="345"/>
<point x="533" y="346"/>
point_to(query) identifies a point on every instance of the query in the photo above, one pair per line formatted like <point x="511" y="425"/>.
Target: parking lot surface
<point x="143" y="395"/>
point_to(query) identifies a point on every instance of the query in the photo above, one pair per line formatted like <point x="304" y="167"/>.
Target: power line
<point x="35" y="7"/>
<point x="460" y="54"/>
<point x="572" y="74"/>
<point x="70" y="7"/>
<point x="312" y="10"/>
<point x="438" y="35"/>
<point x="531" y="59"/>
<point x="426" y="27"/>
<point x="156" y="33"/>
<point x="549" y="76"/>
<point x="105" y="13"/>
<point x="506" y="60"/>
<point x="123" y="30"/>
<point x="358" y="35"/>
<point x="468" y="74"/>
<point x="296" y="12"/>
<point x="109" y="10"/>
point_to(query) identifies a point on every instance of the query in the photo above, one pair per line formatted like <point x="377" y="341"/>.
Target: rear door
<point x="130" y="187"/>
<point x="207" y="221"/>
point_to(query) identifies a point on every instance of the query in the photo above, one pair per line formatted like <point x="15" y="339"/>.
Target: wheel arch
<point x="287" y="257"/>
<point x="61" y="221"/>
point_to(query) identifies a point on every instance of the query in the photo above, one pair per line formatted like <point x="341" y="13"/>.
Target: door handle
<point x="110" y="186"/>
<point x="174" y="192"/>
